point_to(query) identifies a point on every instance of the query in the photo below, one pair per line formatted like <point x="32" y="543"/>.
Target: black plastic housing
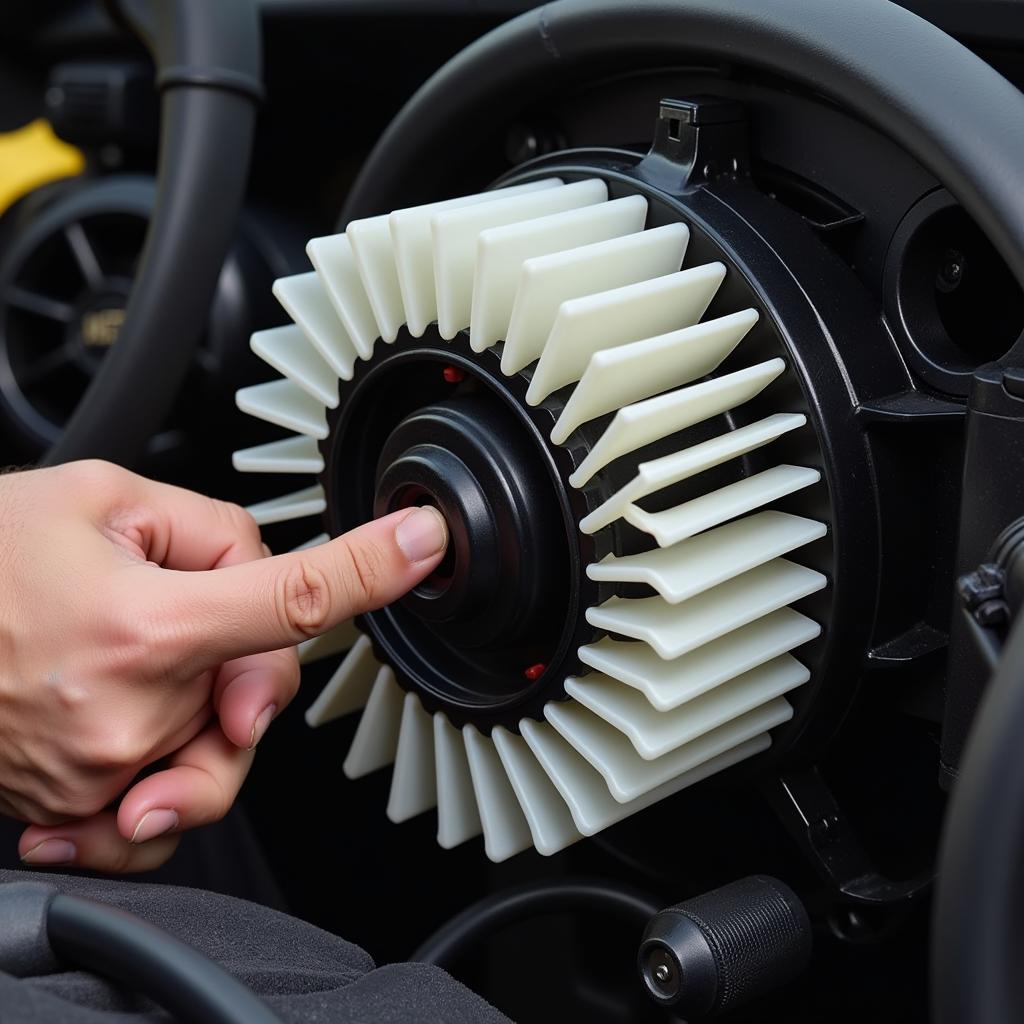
<point x="724" y="948"/>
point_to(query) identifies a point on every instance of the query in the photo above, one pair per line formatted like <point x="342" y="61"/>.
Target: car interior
<point x="701" y="323"/>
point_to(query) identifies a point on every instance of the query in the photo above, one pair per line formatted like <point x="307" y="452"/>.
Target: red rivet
<point x="534" y="672"/>
<point x="453" y="374"/>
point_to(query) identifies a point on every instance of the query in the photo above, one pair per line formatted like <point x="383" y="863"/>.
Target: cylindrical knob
<point x="715" y="951"/>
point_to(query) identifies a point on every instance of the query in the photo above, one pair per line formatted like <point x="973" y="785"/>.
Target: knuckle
<point x="143" y="641"/>
<point x="304" y="599"/>
<point x="86" y="804"/>
<point x="363" y="571"/>
<point x="60" y="803"/>
<point x="113" y="750"/>
<point x="92" y="473"/>
<point x="40" y="815"/>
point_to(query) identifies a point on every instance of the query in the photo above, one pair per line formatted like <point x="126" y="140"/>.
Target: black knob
<point x="715" y="951"/>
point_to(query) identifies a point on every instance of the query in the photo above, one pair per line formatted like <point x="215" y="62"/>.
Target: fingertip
<point x="40" y="850"/>
<point x="157" y="821"/>
<point x="422" y="535"/>
<point x="261" y="724"/>
<point x="250" y="700"/>
<point x="238" y="719"/>
<point x="94" y="844"/>
<point x="154" y="795"/>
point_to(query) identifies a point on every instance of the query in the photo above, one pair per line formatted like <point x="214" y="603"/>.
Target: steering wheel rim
<point x="208" y="61"/>
<point x="871" y="57"/>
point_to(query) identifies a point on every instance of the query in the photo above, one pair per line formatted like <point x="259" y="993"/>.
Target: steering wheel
<point x="873" y="58"/>
<point x="208" y="61"/>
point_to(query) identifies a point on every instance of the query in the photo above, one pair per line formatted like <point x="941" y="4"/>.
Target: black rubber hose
<point x="208" y="69"/>
<point x="131" y="951"/>
<point x="948" y="108"/>
<point x="978" y="931"/>
<point x="487" y="916"/>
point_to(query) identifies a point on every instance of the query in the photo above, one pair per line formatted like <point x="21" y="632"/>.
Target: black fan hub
<point x="469" y="457"/>
<point x="492" y="634"/>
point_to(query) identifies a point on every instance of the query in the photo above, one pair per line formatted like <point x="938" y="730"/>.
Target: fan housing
<point x="671" y="441"/>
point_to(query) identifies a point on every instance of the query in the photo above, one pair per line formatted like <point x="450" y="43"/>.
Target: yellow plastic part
<point x="32" y="156"/>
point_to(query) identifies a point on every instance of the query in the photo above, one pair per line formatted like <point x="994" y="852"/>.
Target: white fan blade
<point x="637" y="425"/>
<point x="506" y="831"/>
<point x="676" y="524"/>
<point x="675" y="629"/>
<point x="289" y="351"/>
<point x="591" y="803"/>
<point x="586" y="325"/>
<point x="335" y="264"/>
<point x="375" y="259"/>
<point x="308" y="502"/>
<point x="349" y="688"/>
<point x="615" y="377"/>
<point x="455" y="234"/>
<point x="550" y="822"/>
<point x="308" y="304"/>
<point x="296" y="454"/>
<point x="413" y="245"/>
<point x="671" y="469"/>
<point x="693" y="565"/>
<point x="501" y="252"/>
<point x="376" y="738"/>
<point x="414" y="783"/>
<point x="547" y="282"/>
<point x="627" y="775"/>
<point x="669" y="683"/>
<point x="654" y="733"/>
<point x="458" y="817"/>
<point x="327" y="645"/>
<point x="285" y="405"/>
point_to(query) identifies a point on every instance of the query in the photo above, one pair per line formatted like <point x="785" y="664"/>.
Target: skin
<point x="143" y="623"/>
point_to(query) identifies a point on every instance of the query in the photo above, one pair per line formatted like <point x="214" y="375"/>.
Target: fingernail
<point x="422" y="534"/>
<point x="259" y="727"/>
<point x="51" y="851"/>
<point x="154" y="823"/>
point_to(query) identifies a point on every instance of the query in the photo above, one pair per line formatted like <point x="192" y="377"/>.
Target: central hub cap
<point x="492" y="634"/>
<point x="471" y="458"/>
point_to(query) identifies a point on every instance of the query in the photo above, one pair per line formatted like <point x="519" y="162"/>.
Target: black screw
<point x="951" y="271"/>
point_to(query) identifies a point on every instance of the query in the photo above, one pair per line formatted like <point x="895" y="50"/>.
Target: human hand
<point x="140" y="621"/>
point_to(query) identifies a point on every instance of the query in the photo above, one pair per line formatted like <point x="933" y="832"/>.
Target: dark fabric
<point x="222" y="857"/>
<point x="305" y="974"/>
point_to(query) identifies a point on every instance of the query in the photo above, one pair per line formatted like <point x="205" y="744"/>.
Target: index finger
<point x="276" y="602"/>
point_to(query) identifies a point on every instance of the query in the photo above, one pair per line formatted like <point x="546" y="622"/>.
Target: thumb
<point x="275" y="602"/>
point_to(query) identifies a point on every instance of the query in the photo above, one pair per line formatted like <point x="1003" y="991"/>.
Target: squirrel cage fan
<point x="575" y="370"/>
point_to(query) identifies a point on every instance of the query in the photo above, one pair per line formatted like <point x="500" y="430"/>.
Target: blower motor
<point x="618" y="376"/>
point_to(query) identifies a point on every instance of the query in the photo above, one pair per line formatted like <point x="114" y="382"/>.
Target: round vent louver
<point x="590" y="351"/>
